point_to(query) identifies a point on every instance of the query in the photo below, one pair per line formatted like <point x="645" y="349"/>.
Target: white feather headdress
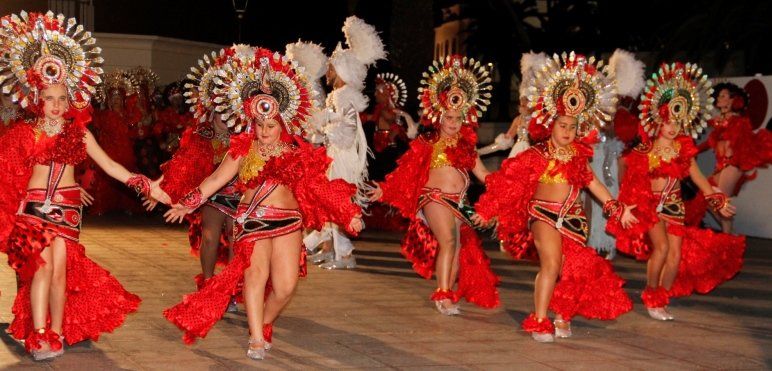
<point x="530" y="63"/>
<point x="364" y="48"/>
<point x="629" y="73"/>
<point x="311" y="57"/>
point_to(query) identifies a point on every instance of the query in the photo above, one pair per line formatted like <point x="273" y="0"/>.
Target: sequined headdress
<point x="118" y="82"/>
<point x="394" y="86"/>
<point x="575" y="86"/>
<point x="455" y="83"/>
<point x="679" y="92"/>
<point x="199" y="91"/>
<point x="270" y="85"/>
<point x="45" y="50"/>
<point x="145" y="77"/>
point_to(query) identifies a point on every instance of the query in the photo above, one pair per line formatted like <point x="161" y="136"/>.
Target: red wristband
<point x="193" y="199"/>
<point x="613" y="209"/>
<point x="140" y="184"/>
<point x="717" y="201"/>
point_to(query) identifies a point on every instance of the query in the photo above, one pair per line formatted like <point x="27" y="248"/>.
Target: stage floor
<point x="379" y="316"/>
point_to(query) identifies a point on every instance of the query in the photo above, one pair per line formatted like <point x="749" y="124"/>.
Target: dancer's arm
<point x="717" y="200"/>
<point x="139" y="182"/>
<point x="479" y="170"/>
<point x="228" y="169"/>
<point x="607" y="200"/>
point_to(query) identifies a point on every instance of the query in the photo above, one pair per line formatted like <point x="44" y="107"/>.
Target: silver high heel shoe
<point x="452" y="310"/>
<point x="543" y="337"/>
<point x="256" y="353"/>
<point x="660" y="314"/>
<point x="562" y="332"/>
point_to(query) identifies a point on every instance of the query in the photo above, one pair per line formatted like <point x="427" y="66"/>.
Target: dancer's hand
<point x="177" y="213"/>
<point x="157" y="193"/>
<point x="628" y="219"/>
<point x="356" y="224"/>
<point x="376" y="193"/>
<point x="85" y="198"/>
<point x="728" y="210"/>
<point x="149" y="203"/>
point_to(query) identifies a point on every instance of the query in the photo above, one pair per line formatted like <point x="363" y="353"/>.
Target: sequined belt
<point x="63" y="210"/>
<point x="226" y="199"/>
<point x="266" y="222"/>
<point x="567" y="217"/>
<point x="671" y="206"/>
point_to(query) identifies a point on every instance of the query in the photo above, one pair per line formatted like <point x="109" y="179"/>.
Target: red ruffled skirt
<point x="588" y="285"/>
<point x="199" y="311"/>
<point x="708" y="259"/>
<point x="476" y="280"/>
<point x="96" y="301"/>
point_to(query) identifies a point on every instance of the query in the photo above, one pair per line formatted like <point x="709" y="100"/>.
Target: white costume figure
<point x="517" y="139"/>
<point x="629" y="74"/>
<point x="342" y="131"/>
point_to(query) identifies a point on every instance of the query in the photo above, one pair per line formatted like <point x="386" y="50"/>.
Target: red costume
<point x="456" y="84"/>
<point x="404" y="190"/>
<point x="573" y="86"/>
<point x="96" y="301"/>
<point x="707" y="258"/>
<point x="115" y="128"/>
<point x="299" y="167"/>
<point x="587" y="285"/>
<point x="32" y="218"/>
<point x="677" y="93"/>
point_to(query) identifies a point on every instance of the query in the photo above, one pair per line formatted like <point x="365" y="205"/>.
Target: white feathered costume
<point x="529" y="64"/>
<point x="338" y="125"/>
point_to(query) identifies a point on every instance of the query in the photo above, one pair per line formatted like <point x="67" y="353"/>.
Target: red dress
<point x="707" y="258"/>
<point x="404" y="190"/>
<point x="114" y="135"/>
<point x="96" y="301"/>
<point x="303" y="171"/>
<point x="749" y="150"/>
<point x="588" y="285"/>
<point x="199" y="154"/>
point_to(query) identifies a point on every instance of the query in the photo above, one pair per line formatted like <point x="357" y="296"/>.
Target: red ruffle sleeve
<point x="635" y="189"/>
<point x="189" y="166"/>
<point x="507" y="193"/>
<point x="402" y="186"/>
<point x="16" y="146"/>
<point x="321" y="200"/>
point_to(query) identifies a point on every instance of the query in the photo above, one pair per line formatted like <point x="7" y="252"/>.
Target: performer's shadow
<point x="82" y="355"/>
<point x="341" y="349"/>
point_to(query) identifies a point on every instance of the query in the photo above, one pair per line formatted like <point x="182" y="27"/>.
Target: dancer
<point x="539" y="190"/>
<point x="739" y="151"/>
<point x="680" y="260"/>
<point x="202" y="148"/>
<point x="430" y="182"/>
<point x="286" y="188"/>
<point x="62" y="295"/>
<point x="344" y="136"/>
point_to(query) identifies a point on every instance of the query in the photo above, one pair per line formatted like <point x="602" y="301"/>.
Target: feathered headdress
<point x="629" y="73"/>
<point x="44" y="50"/>
<point x="529" y="64"/>
<point x="572" y="85"/>
<point x="311" y="57"/>
<point x="455" y="83"/>
<point x="269" y="86"/>
<point x="364" y="48"/>
<point x="679" y="92"/>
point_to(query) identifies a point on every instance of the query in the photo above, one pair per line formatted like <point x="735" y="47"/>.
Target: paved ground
<point x="379" y="316"/>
